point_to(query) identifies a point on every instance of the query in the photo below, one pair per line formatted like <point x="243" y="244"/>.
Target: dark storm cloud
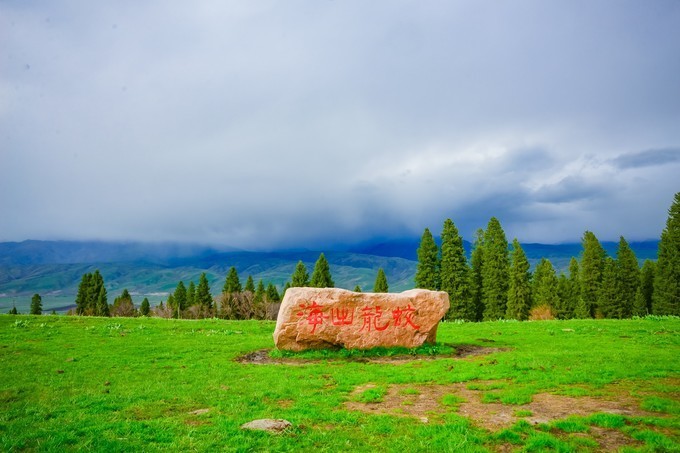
<point x="648" y="158"/>
<point x="291" y="123"/>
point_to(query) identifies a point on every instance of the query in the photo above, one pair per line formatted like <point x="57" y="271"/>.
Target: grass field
<point x="146" y="384"/>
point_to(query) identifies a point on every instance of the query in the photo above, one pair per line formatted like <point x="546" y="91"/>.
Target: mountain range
<point x="53" y="269"/>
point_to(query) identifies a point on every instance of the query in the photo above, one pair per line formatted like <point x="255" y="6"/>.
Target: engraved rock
<point x="315" y="318"/>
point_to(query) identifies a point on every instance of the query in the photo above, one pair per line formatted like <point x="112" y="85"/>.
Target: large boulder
<point x="315" y="318"/>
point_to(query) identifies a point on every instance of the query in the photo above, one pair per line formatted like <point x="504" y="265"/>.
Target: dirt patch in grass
<point x="609" y="439"/>
<point x="433" y="400"/>
<point x="262" y="357"/>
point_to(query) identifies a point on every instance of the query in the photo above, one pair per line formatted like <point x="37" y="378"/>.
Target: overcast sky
<point x="260" y="123"/>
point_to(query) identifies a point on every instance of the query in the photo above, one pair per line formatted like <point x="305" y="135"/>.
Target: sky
<point x="302" y="123"/>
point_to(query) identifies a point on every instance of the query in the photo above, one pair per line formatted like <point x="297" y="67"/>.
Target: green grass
<point x="74" y="383"/>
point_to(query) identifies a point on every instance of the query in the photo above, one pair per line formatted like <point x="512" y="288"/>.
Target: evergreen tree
<point x="191" y="294"/>
<point x="643" y="296"/>
<point x="563" y="297"/>
<point x="250" y="284"/>
<point x="609" y="290"/>
<point x="102" y="307"/>
<point x="427" y="272"/>
<point x="83" y="294"/>
<point x="357" y="289"/>
<point x="321" y="276"/>
<point x="454" y="274"/>
<point x="272" y="293"/>
<point x="573" y="296"/>
<point x="145" y="308"/>
<point x="666" y="295"/>
<point x="13" y="311"/>
<point x="232" y="283"/>
<point x="36" y="304"/>
<point x="495" y="272"/>
<point x="259" y="293"/>
<point x="300" y="277"/>
<point x="519" y="289"/>
<point x="628" y="279"/>
<point x="545" y="285"/>
<point x="380" y="285"/>
<point x="180" y="296"/>
<point x="592" y="267"/>
<point x="476" y="260"/>
<point x="203" y="296"/>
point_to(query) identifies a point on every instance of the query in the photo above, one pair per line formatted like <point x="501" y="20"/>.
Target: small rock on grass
<point x="268" y="424"/>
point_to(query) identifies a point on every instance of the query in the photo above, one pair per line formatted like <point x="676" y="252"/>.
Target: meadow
<point x="149" y="384"/>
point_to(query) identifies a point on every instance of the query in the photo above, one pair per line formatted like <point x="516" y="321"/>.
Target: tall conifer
<point x="545" y="285"/>
<point x="380" y="285"/>
<point x="36" y="304"/>
<point x="495" y="271"/>
<point x="250" y="285"/>
<point x="519" y="289"/>
<point x="476" y="261"/>
<point x="321" y="276"/>
<point x="427" y="271"/>
<point x="666" y="296"/>
<point x="628" y="279"/>
<point x="643" y="297"/>
<point x="180" y="296"/>
<point x="300" y="277"/>
<point x="609" y="290"/>
<point x="191" y="294"/>
<point x="454" y="274"/>
<point x="592" y="267"/>
<point x="203" y="296"/>
<point x="232" y="284"/>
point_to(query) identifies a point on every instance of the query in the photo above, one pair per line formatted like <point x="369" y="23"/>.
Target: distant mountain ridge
<point x="54" y="268"/>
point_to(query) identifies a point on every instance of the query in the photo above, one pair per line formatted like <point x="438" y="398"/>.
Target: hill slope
<point x="54" y="268"/>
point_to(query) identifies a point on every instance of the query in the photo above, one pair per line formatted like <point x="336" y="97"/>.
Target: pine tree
<point x="427" y="272"/>
<point x="380" y="285"/>
<point x="102" y="307"/>
<point x="454" y="274"/>
<point x="13" y="311"/>
<point x="321" y="276"/>
<point x="36" y="304"/>
<point x="300" y="277"/>
<point x="250" y="284"/>
<point x="272" y="293"/>
<point x="609" y="290"/>
<point x="592" y="267"/>
<point x="519" y="289"/>
<point x="495" y="272"/>
<point x="191" y="294"/>
<point x="180" y="296"/>
<point x="643" y="297"/>
<point x="232" y="283"/>
<point x="203" y="296"/>
<point x="476" y="260"/>
<point x="628" y="279"/>
<point x="545" y="285"/>
<point x="83" y="294"/>
<point x="259" y="293"/>
<point x="145" y="307"/>
<point x="563" y="297"/>
<point x="573" y="296"/>
<point x="357" y="289"/>
<point x="666" y="295"/>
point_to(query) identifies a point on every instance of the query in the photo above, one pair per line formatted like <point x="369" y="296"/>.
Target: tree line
<point x="236" y="301"/>
<point x="497" y="282"/>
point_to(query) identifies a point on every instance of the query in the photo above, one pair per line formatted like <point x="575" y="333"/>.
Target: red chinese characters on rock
<point x="372" y="317"/>
<point x="313" y="314"/>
